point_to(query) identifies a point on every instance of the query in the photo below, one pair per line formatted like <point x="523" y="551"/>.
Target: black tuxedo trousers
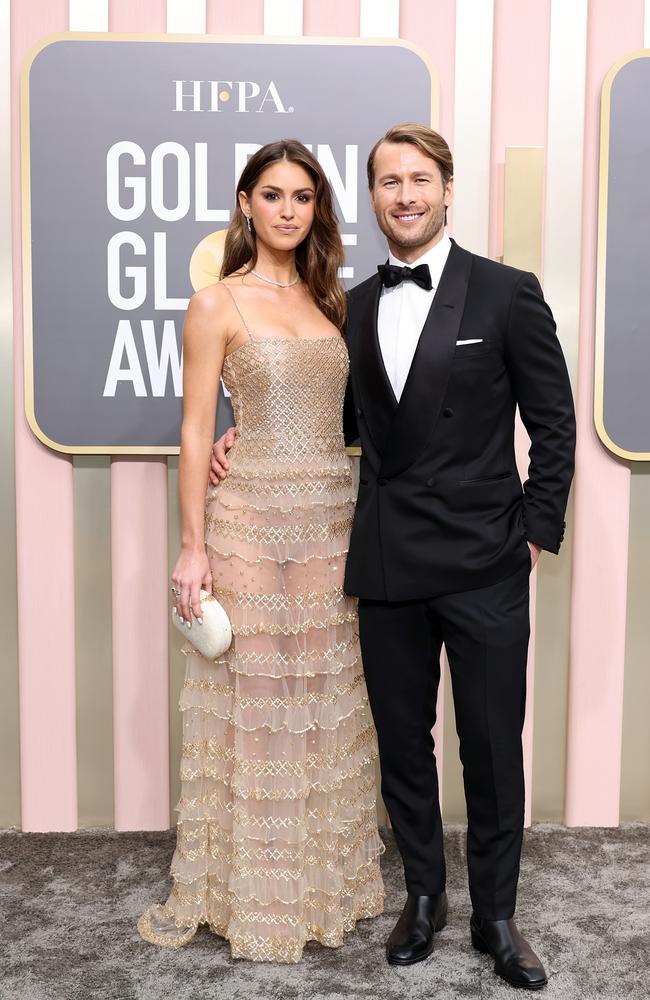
<point x="485" y="633"/>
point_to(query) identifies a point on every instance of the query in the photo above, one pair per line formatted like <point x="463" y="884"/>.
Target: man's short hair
<point x="429" y="142"/>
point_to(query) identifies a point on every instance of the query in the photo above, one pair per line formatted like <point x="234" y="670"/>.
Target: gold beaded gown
<point x="277" y="840"/>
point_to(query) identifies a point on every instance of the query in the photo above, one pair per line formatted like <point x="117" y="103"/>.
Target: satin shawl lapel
<point x="421" y="399"/>
<point x="377" y="398"/>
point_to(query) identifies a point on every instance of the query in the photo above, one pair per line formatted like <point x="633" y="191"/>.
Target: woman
<point x="277" y="837"/>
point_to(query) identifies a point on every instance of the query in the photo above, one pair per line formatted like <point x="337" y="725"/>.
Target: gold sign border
<point x="74" y="36"/>
<point x="599" y="368"/>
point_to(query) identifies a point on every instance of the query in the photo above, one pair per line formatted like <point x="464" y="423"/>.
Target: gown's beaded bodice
<point x="287" y="398"/>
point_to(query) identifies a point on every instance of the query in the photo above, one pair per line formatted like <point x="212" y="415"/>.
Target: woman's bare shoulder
<point x="209" y="298"/>
<point x="216" y="296"/>
<point x="209" y="320"/>
<point x="211" y="305"/>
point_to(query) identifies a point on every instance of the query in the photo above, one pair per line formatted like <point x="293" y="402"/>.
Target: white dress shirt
<point x="402" y="312"/>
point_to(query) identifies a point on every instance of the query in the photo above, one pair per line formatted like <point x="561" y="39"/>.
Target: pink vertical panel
<point x="432" y="27"/>
<point x="137" y="15"/>
<point x="519" y="118"/>
<point x="602" y="496"/>
<point x="227" y="18"/>
<point x="337" y="17"/>
<point x="519" y="92"/>
<point x="44" y="527"/>
<point x="140" y="593"/>
<point x="140" y="654"/>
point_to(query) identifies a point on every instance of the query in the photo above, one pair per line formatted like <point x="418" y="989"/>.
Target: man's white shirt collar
<point x="403" y="310"/>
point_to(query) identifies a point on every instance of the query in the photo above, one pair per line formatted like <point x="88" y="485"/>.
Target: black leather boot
<point x="412" y="937"/>
<point x="514" y="959"/>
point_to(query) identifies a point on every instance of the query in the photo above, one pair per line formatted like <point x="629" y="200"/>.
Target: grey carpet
<point x="70" y="904"/>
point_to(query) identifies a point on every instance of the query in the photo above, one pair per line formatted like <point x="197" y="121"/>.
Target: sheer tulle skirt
<point x="277" y="833"/>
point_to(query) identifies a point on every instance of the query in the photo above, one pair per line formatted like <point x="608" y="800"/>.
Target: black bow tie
<point x="392" y="275"/>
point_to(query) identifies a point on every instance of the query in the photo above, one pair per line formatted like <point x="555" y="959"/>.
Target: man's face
<point x="409" y="197"/>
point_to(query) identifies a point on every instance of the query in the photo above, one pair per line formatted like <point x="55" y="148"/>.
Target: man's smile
<point x="408" y="216"/>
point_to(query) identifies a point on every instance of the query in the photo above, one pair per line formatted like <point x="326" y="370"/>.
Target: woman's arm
<point x="205" y="336"/>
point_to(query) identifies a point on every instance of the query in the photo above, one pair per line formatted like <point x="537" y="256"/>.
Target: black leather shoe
<point x="412" y="937"/>
<point x="514" y="959"/>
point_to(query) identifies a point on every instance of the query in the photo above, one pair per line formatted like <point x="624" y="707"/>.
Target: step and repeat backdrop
<point x="125" y="130"/>
<point x="134" y="150"/>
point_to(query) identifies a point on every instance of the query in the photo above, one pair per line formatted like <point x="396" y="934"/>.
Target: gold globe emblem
<point x="206" y="260"/>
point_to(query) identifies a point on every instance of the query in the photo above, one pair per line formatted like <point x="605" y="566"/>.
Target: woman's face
<point x="281" y="205"/>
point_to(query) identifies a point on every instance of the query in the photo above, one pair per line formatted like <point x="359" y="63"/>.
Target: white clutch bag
<point x="214" y="636"/>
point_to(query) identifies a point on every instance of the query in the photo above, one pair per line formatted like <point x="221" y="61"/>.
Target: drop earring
<point x="248" y="223"/>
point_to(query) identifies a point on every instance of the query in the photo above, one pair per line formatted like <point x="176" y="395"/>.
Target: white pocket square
<point x="460" y="343"/>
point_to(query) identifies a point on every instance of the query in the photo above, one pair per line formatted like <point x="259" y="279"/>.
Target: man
<point x="444" y="345"/>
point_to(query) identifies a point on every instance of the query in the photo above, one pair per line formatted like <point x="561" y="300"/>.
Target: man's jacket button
<point x="447" y="412"/>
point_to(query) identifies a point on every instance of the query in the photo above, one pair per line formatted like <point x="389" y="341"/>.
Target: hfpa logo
<point x="218" y="95"/>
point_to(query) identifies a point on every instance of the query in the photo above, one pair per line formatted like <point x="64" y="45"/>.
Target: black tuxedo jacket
<point x="441" y="508"/>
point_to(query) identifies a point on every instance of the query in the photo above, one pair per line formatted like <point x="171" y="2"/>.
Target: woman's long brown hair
<point x="320" y="254"/>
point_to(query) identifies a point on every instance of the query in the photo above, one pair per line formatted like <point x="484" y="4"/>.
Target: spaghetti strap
<point x="241" y="315"/>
